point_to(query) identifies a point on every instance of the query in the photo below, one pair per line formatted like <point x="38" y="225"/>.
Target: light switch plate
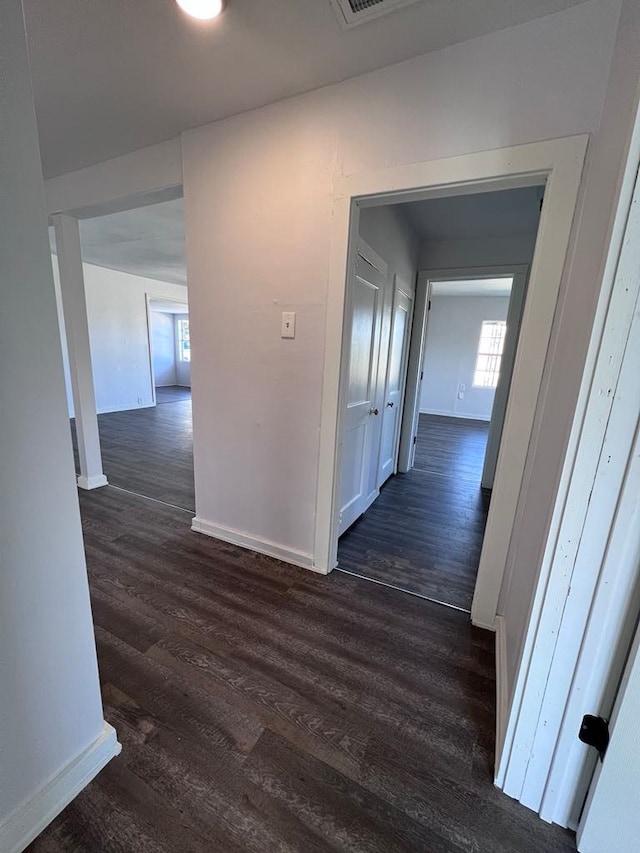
<point x="288" y="324"/>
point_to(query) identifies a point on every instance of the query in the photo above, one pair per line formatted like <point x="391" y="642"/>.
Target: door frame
<point x="589" y="570"/>
<point x="149" y="298"/>
<point x="413" y="379"/>
<point x="147" y="301"/>
<point x="400" y="288"/>
<point x="559" y="164"/>
<point x="420" y="332"/>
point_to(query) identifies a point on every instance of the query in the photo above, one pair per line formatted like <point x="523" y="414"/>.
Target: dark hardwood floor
<point x="150" y="451"/>
<point x="424" y="533"/>
<point x="172" y="393"/>
<point x="265" y="708"/>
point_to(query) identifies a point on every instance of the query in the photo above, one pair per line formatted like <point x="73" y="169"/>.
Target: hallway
<point x="264" y="708"/>
<point x="424" y="533"/>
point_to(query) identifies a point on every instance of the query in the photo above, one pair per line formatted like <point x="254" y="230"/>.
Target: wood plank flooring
<point x="424" y="533"/>
<point x="172" y="394"/>
<point x="150" y="451"/>
<point x="265" y="708"/>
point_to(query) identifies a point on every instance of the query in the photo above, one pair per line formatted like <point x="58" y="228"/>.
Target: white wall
<point x="183" y="368"/>
<point x="50" y="707"/>
<point x="496" y="251"/>
<point x="117" y="314"/>
<point x="451" y="348"/>
<point x="163" y="341"/>
<point x="258" y="190"/>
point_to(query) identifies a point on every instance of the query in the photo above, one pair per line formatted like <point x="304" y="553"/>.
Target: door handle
<point x="373" y="411"/>
<point x="390" y="405"/>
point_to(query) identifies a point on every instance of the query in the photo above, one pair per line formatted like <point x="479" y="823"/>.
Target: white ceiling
<point x="473" y="287"/>
<point x="148" y="241"/>
<point x="508" y="213"/>
<point x="112" y="76"/>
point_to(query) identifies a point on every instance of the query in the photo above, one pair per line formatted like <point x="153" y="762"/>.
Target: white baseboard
<point x="109" y="410"/>
<point x="126" y="408"/>
<point x="89" y="483"/>
<point x="254" y="543"/>
<point x="486" y="626"/>
<point x="502" y="693"/>
<point x="27" y="821"/>
<point x="461" y="415"/>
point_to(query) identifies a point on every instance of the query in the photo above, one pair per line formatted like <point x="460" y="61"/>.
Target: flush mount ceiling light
<point x="204" y="10"/>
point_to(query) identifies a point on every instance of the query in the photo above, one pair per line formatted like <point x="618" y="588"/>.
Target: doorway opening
<point x="423" y="532"/>
<point x="351" y="413"/>
<point x="170" y="349"/>
<point x="137" y="317"/>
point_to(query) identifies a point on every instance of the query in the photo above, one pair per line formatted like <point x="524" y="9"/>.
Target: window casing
<point x="490" y="348"/>
<point x="184" y="341"/>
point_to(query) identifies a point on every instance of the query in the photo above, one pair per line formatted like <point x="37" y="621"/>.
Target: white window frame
<point x="180" y="339"/>
<point x="494" y="372"/>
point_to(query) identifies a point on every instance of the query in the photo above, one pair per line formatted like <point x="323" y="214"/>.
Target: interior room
<point x="170" y="350"/>
<point x="424" y="530"/>
<point x="137" y="316"/>
<point x="365" y="588"/>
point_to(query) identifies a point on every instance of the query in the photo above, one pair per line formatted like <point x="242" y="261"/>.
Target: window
<point x="184" y="344"/>
<point x="489" y="353"/>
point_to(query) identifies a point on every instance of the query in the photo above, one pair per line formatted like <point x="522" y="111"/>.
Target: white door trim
<point x="152" y="374"/>
<point x="149" y="298"/>
<point x="537" y="766"/>
<point x="560" y="163"/>
<point x="413" y="379"/>
<point x="517" y="301"/>
<point x="416" y="353"/>
<point x="411" y="296"/>
<point x="399" y="290"/>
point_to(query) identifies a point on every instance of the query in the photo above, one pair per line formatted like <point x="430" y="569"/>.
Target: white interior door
<point x="358" y="486"/>
<point x="611" y="818"/>
<point x="413" y="381"/>
<point x="499" y="410"/>
<point x="391" y="412"/>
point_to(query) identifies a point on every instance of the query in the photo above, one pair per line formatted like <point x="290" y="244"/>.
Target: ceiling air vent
<point x="352" y="12"/>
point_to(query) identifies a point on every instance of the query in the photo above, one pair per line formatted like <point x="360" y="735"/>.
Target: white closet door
<point x="611" y="818"/>
<point x="394" y="387"/>
<point x="358" y="488"/>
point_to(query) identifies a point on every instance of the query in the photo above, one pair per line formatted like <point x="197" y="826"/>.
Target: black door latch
<point x="594" y="731"/>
